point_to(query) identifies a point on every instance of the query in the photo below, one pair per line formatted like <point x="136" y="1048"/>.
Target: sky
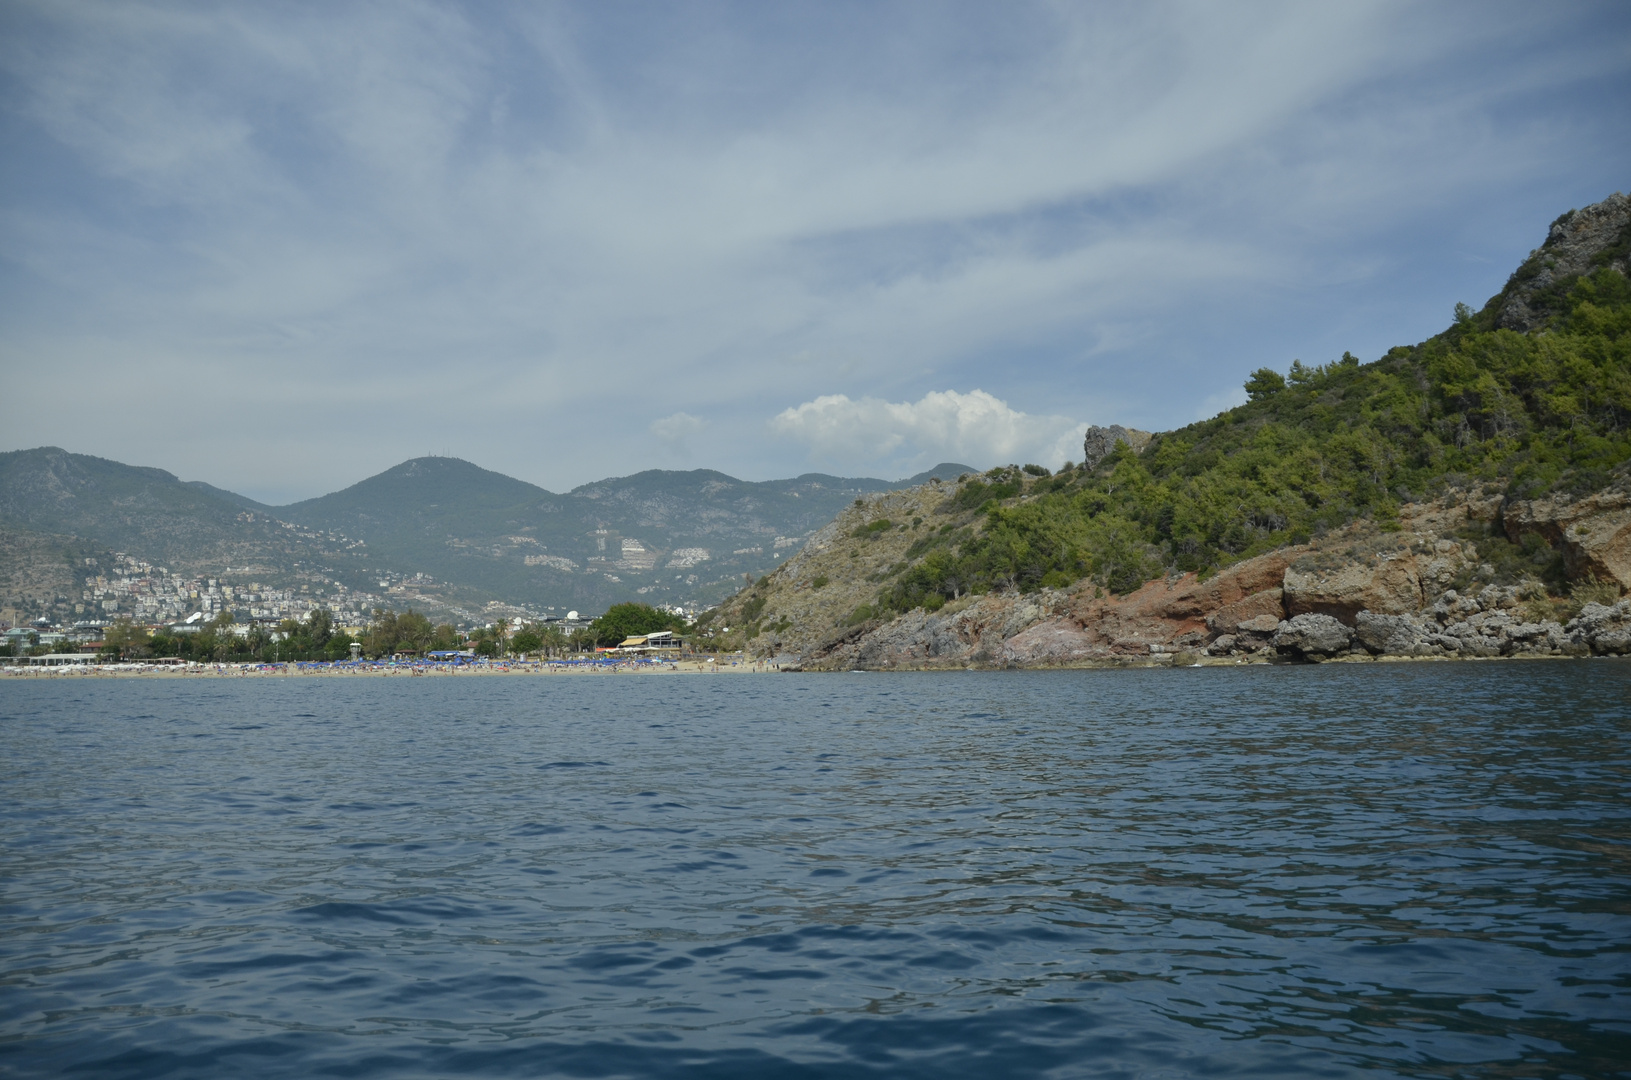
<point x="282" y="247"/>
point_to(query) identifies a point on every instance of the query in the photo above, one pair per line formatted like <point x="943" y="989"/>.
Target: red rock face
<point x="1056" y="641"/>
<point x="1390" y="575"/>
<point x="1163" y="615"/>
<point x="1174" y="612"/>
<point x="1258" y="613"/>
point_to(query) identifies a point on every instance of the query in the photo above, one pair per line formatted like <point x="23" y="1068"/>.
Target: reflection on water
<point x="1413" y="870"/>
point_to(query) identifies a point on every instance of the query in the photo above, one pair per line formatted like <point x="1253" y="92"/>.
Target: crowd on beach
<point x="409" y="666"/>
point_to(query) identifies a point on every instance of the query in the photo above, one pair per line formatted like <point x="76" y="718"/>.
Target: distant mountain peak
<point x="946" y="470"/>
<point x="480" y="534"/>
<point x="434" y="465"/>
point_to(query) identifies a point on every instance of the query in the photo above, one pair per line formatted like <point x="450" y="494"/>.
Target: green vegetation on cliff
<point x="1538" y="412"/>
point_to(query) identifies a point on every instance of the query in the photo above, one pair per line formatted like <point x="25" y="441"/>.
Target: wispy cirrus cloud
<point x="1111" y="211"/>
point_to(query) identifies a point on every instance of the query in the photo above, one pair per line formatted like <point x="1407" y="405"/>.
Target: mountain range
<point x="668" y="537"/>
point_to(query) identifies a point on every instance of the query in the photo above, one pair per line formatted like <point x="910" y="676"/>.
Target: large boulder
<point x="1604" y="629"/>
<point x="1312" y="634"/>
<point x="1491" y="622"/>
<point x="1394" y="635"/>
<point x="1249" y="612"/>
<point x="1053" y="641"/>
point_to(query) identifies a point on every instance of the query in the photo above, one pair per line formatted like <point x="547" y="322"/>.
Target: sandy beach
<point x="389" y="670"/>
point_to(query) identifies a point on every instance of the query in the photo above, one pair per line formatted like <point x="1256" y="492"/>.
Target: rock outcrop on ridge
<point x="1578" y="242"/>
<point x="1098" y="442"/>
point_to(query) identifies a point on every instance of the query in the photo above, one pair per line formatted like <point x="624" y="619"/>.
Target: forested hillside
<point x="1538" y="410"/>
<point x="665" y="535"/>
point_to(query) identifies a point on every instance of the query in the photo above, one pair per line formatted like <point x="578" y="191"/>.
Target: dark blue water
<point x="1382" y="870"/>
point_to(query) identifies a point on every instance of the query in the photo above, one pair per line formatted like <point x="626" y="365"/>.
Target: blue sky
<point x="283" y="247"/>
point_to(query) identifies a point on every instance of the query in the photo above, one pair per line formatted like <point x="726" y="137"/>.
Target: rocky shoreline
<point x="1483" y="626"/>
<point x="1412" y="590"/>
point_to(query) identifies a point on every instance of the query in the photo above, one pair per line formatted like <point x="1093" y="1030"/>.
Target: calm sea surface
<point x="1384" y="870"/>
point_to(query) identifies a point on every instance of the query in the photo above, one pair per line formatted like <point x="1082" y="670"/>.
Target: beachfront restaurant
<point x="452" y="656"/>
<point x="55" y="659"/>
<point x="641" y="643"/>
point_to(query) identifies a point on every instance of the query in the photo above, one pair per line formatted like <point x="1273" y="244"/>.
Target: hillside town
<point x="127" y="591"/>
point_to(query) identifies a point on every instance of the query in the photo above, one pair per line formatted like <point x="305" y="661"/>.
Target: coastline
<point x="387" y="669"/>
<point x="292" y="671"/>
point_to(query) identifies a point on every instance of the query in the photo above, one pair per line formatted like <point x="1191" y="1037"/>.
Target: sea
<point x="1412" y="870"/>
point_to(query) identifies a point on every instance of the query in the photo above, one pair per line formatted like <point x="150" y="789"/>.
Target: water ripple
<point x="1411" y="870"/>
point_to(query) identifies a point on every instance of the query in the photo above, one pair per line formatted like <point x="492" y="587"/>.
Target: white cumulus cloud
<point x="975" y="429"/>
<point x="676" y="428"/>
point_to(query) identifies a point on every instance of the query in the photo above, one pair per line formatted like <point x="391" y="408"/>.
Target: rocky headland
<point x="1468" y="497"/>
<point x="1420" y="591"/>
